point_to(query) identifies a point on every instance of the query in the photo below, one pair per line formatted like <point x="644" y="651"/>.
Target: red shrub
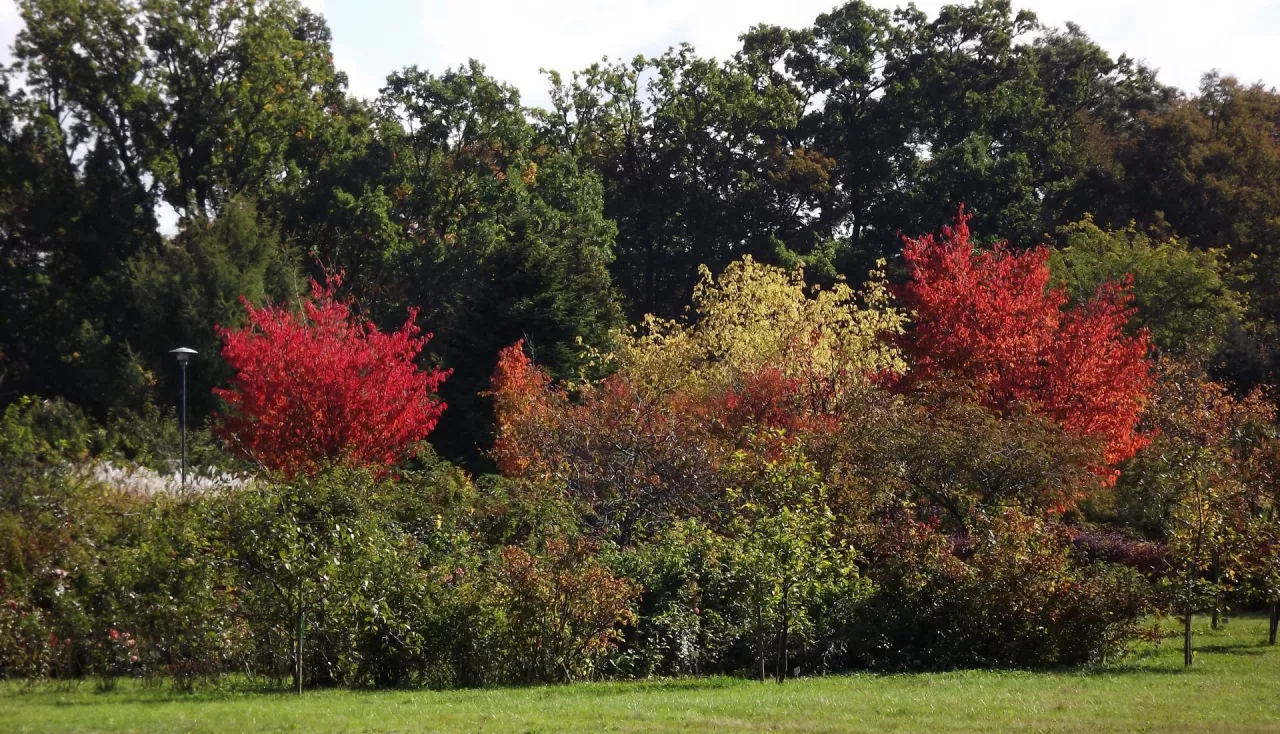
<point x="322" y="385"/>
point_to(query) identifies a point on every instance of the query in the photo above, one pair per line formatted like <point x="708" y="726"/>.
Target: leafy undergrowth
<point x="1233" y="687"/>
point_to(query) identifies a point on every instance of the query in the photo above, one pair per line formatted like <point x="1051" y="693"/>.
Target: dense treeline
<point x="818" y="145"/>
<point x="706" y="451"/>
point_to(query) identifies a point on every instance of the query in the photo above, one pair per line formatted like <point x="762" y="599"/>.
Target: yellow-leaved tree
<point x="754" y="317"/>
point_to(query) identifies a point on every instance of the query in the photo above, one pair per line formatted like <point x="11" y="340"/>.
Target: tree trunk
<point x="301" y="624"/>
<point x="760" y="639"/>
<point x="1217" y="583"/>
<point x="782" y="640"/>
<point x="1275" y="622"/>
<point x="1186" y="640"/>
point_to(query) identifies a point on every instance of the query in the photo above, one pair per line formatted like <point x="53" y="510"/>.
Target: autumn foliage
<point x="766" y="361"/>
<point x="763" y="354"/>
<point x="632" y="452"/>
<point x="992" y="320"/>
<point x="522" y="394"/>
<point x="563" y="610"/>
<point x="976" y="444"/>
<point x="322" y="385"/>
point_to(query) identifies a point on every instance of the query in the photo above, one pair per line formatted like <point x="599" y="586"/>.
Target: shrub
<point x="324" y="573"/>
<point x="325" y="386"/>
<point x="1008" y="595"/>
<point x="687" y="618"/>
<point x="182" y="602"/>
<point x="560" y="611"/>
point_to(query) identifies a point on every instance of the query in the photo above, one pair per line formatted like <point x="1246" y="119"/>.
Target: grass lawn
<point x="1234" y="686"/>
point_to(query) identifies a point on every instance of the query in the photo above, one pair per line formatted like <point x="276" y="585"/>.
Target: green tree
<point x="1188" y="298"/>
<point x="128" y="107"/>
<point x="822" y="144"/>
<point x="1211" y="167"/>
<point x="69" y="229"/>
<point x="697" y="165"/>
<point x="786" y="553"/>
<point x="456" y="208"/>
<point x="195" y="283"/>
<point x="196" y="101"/>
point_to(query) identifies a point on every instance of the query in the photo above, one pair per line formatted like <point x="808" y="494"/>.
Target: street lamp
<point x="184" y="355"/>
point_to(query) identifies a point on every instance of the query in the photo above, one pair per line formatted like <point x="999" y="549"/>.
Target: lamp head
<point x="183" y="354"/>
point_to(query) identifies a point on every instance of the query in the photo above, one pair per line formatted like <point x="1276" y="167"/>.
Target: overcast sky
<point x="513" y="38"/>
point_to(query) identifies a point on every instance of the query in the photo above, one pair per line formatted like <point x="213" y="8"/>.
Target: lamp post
<point x="184" y="355"/>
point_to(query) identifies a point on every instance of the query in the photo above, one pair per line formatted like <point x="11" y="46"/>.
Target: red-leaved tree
<point x="322" y="385"/>
<point x="991" y="318"/>
<point x="638" y="453"/>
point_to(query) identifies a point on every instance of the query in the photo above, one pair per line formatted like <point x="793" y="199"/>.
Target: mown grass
<point x="1234" y="686"/>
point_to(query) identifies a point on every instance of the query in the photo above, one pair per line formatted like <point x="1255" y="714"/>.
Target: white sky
<point x="513" y="38"/>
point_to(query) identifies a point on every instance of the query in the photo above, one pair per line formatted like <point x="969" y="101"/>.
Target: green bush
<point x="680" y="626"/>
<point x="426" y="578"/>
<point x="1008" y="595"/>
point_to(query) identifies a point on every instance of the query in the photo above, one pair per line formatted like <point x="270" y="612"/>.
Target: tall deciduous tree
<point x="1187" y="299"/>
<point x="700" y="167"/>
<point x="1211" y="166"/>
<point x="822" y="143"/>
<point x="196" y="101"/>
<point x="322" y="386"/>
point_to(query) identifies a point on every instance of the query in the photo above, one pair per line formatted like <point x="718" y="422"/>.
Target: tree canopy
<point x="815" y="146"/>
<point x="660" y="379"/>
